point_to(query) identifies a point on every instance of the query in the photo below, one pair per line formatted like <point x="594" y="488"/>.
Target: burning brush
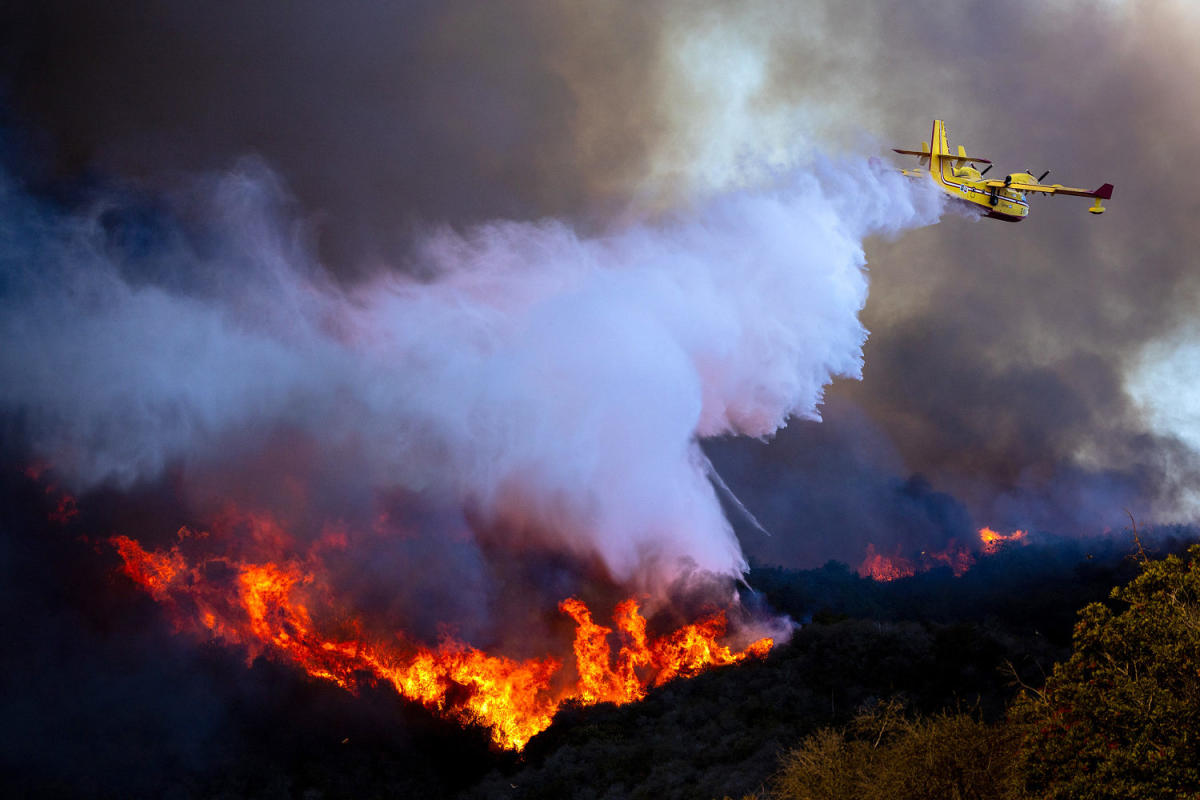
<point x="286" y="610"/>
<point x="956" y="556"/>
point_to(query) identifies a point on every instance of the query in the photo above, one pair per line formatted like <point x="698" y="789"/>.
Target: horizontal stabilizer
<point x="922" y="154"/>
<point x="949" y="156"/>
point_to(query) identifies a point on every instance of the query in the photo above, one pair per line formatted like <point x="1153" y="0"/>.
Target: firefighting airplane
<point x="1000" y="199"/>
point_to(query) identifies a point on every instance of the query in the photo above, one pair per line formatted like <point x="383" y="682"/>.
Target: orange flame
<point x="883" y="568"/>
<point x="266" y="607"/>
<point x="992" y="541"/>
<point x="955" y="556"/>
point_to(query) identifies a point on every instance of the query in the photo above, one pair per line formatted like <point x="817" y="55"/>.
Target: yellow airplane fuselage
<point x="965" y="182"/>
<point x="957" y="178"/>
<point x="1003" y="199"/>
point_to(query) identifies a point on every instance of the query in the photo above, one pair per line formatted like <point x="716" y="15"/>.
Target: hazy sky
<point x="1036" y="375"/>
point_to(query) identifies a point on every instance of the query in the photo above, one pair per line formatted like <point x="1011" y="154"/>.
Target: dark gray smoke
<point x="999" y="364"/>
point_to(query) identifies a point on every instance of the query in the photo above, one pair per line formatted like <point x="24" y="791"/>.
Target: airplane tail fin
<point x="940" y="148"/>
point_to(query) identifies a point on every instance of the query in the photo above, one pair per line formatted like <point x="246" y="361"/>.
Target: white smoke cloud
<point x="554" y="384"/>
<point x="1164" y="384"/>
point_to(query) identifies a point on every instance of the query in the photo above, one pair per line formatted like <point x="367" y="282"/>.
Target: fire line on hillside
<point x="955" y="555"/>
<point x="283" y="609"/>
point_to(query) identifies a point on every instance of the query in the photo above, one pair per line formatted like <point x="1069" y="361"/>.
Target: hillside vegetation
<point x="1119" y="718"/>
<point x="932" y="686"/>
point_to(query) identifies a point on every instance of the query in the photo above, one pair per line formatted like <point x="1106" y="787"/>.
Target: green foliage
<point x="1121" y="717"/>
<point x="888" y="755"/>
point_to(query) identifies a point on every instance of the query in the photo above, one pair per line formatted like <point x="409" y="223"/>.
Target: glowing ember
<point x="269" y="608"/>
<point x="66" y="509"/>
<point x="992" y="541"/>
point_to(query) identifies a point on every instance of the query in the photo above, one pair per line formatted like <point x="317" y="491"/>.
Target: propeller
<point x="985" y="171"/>
<point x="1041" y="177"/>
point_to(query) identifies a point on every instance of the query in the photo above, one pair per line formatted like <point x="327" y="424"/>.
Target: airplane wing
<point x="1103" y="193"/>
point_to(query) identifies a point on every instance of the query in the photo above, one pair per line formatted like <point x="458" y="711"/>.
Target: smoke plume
<point x="1003" y="357"/>
<point x="550" y="386"/>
